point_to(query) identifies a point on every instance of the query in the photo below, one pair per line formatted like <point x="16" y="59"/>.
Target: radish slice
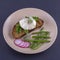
<point x="27" y="44"/>
<point x="24" y="45"/>
<point x="17" y="42"/>
<point x="21" y="43"/>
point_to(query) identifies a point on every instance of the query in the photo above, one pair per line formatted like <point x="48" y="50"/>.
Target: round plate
<point x="49" y="24"/>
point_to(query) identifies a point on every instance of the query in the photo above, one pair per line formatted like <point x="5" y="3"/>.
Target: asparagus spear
<point x="35" y="46"/>
<point x="41" y="41"/>
<point x="41" y="37"/>
<point x="45" y="32"/>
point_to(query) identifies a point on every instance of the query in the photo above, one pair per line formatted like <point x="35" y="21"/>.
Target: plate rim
<point x="29" y="8"/>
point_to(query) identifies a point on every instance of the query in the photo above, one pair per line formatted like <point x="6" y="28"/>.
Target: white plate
<point x="49" y="24"/>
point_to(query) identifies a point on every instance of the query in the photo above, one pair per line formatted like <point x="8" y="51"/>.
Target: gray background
<point x="9" y="6"/>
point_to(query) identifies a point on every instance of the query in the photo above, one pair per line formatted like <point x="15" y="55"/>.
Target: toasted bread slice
<point x="22" y="33"/>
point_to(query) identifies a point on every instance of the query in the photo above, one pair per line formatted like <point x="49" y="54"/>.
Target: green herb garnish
<point x="18" y="28"/>
<point x="29" y="21"/>
<point x="36" y="18"/>
<point x="26" y="31"/>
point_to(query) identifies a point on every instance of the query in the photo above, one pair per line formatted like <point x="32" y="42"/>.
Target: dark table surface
<point x="9" y="6"/>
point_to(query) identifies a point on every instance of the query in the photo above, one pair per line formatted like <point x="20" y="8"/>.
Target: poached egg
<point x="27" y="23"/>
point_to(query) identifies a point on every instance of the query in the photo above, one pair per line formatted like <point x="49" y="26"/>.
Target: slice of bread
<point x="22" y="33"/>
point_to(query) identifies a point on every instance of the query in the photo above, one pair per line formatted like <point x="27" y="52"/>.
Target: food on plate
<point x="38" y="39"/>
<point x="26" y="36"/>
<point x="21" y="43"/>
<point x="26" y="25"/>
